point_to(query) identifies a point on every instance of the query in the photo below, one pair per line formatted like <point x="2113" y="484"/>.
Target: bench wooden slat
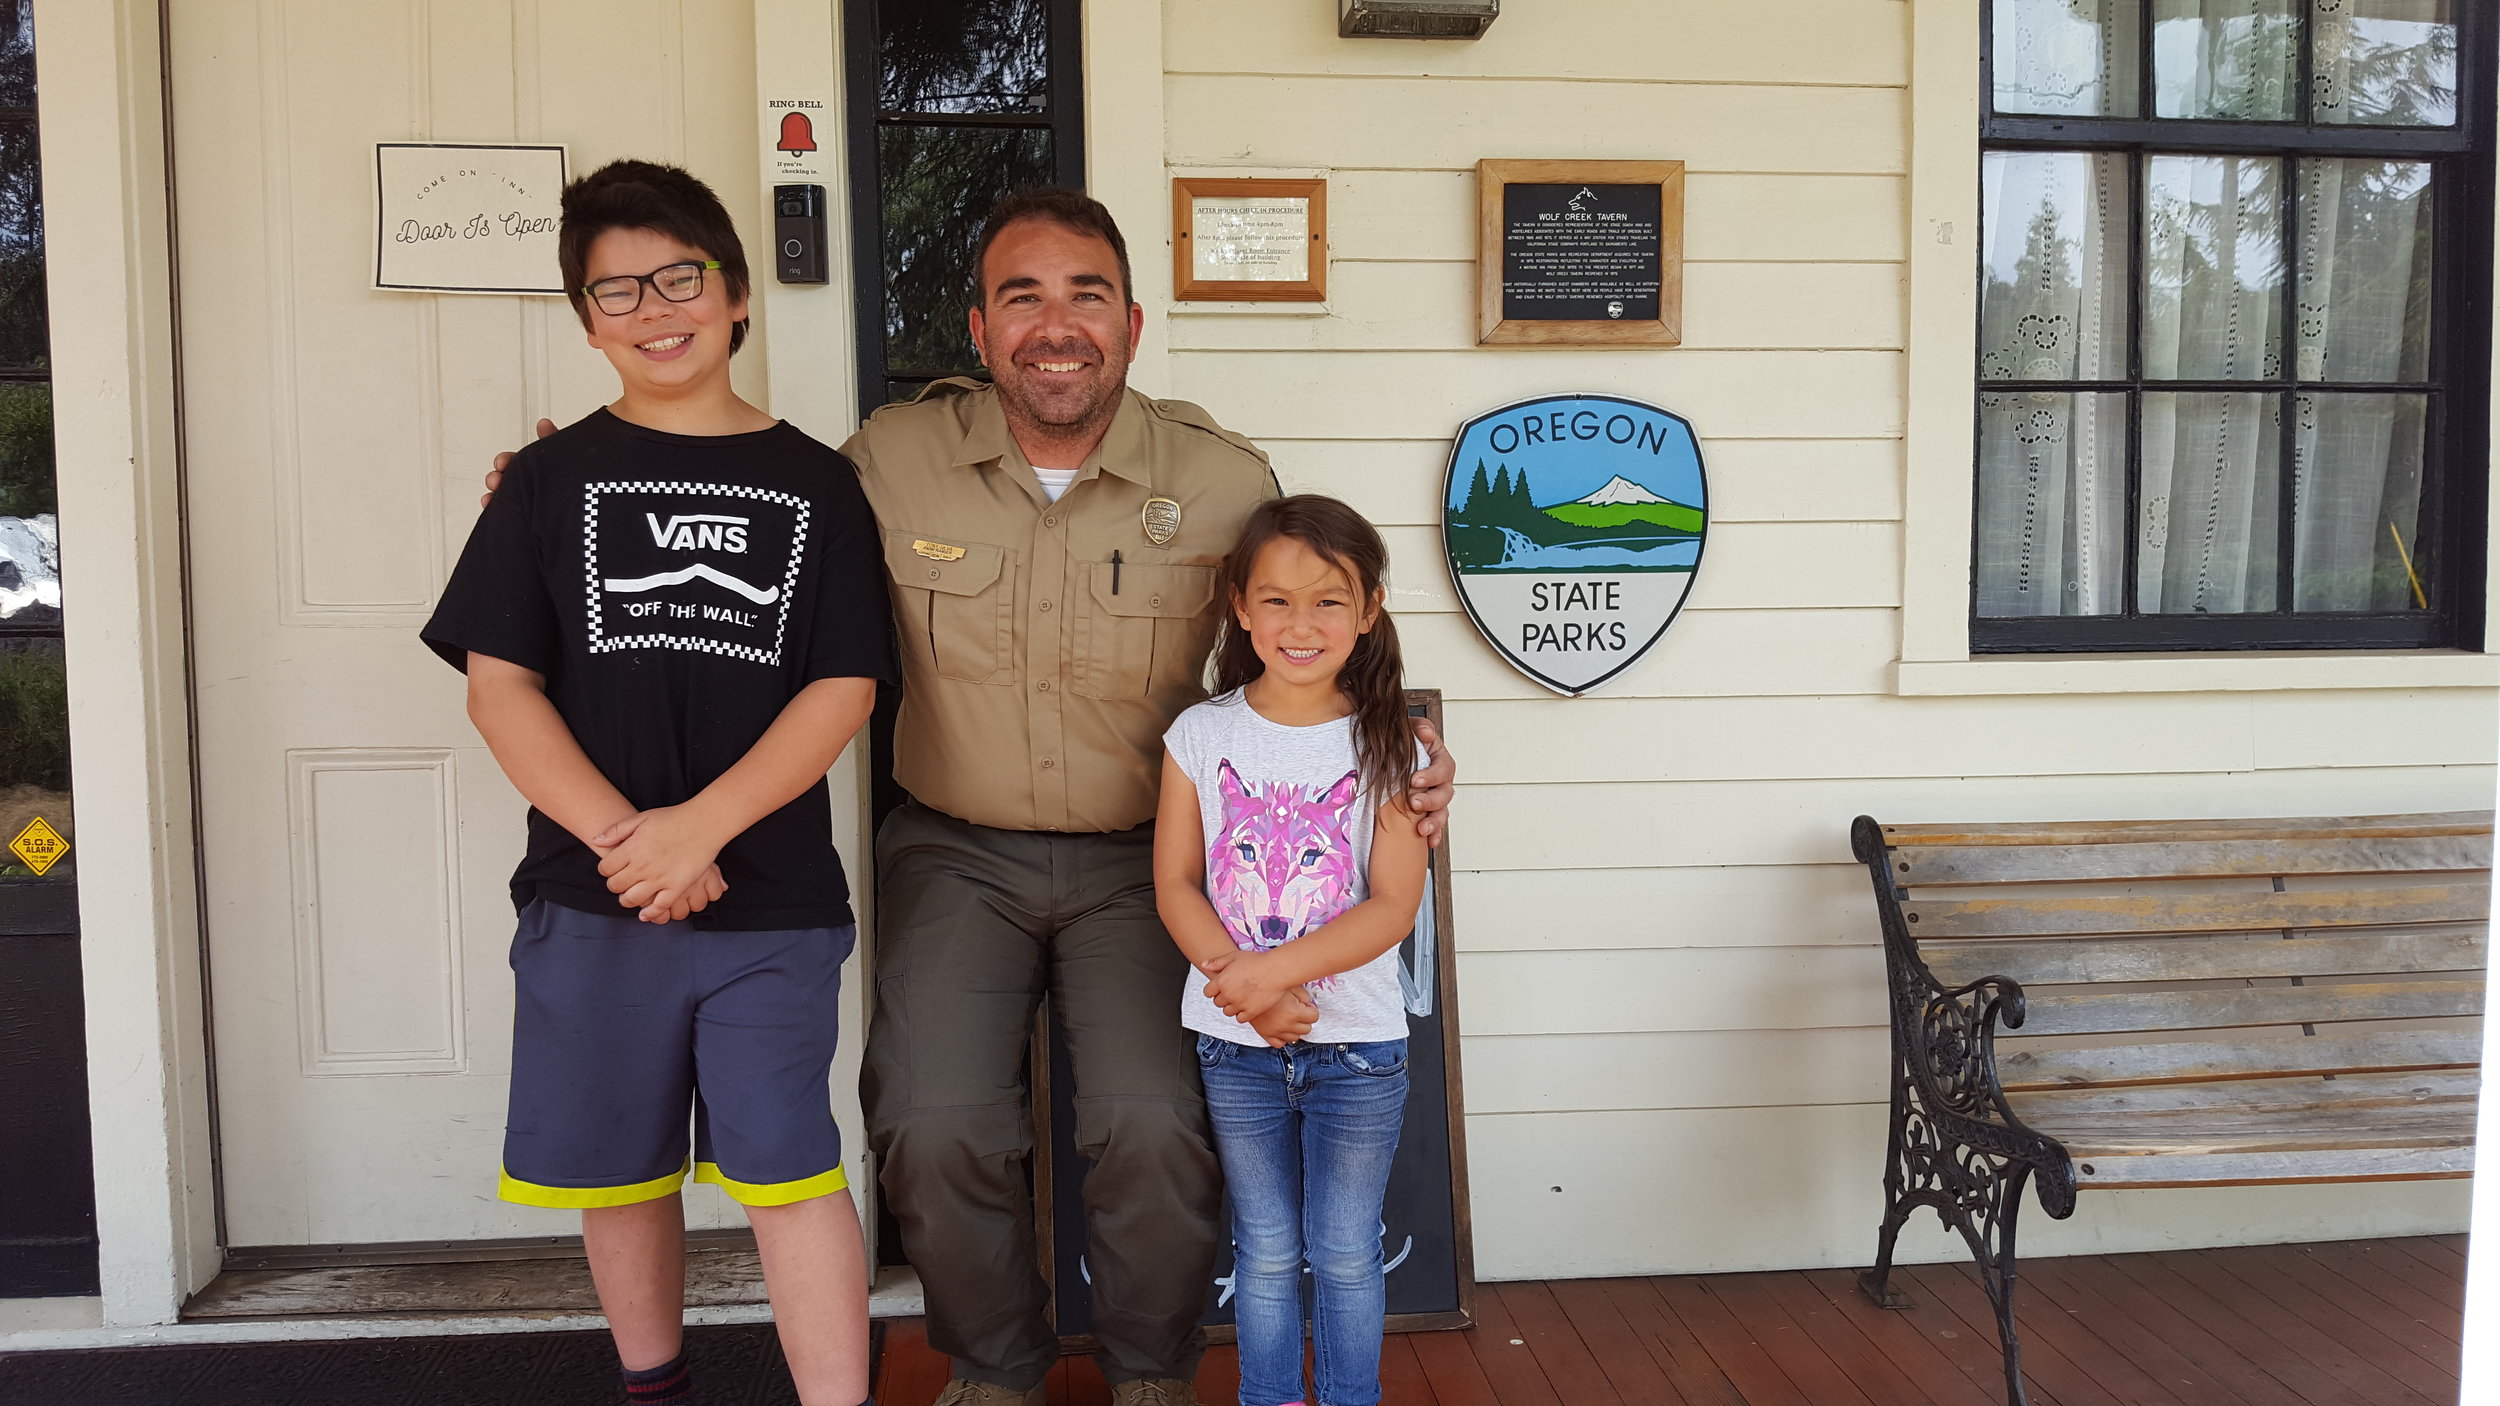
<point x="2074" y="1011"/>
<point x="2022" y="1067"/>
<point x="2255" y="1168"/>
<point x="2413" y="1088"/>
<point x="2384" y="906"/>
<point x="2081" y="832"/>
<point x="2262" y="1130"/>
<point x="2269" y="855"/>
<point x="2208" y="956"/>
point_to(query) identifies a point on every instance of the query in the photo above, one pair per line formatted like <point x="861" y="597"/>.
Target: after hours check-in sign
<point x="1574" y="524"/>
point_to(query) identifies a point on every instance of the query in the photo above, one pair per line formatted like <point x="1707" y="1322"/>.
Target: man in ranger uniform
<point x="1052" y="539"/>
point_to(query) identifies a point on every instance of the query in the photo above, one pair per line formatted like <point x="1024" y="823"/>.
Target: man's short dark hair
<point x="1069" y="209"/>
<point x="652" y="196"/>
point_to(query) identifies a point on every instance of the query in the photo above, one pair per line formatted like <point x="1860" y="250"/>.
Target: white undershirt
<point x="1054" y="481"/>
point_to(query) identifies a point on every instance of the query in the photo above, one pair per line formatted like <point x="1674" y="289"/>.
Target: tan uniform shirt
<point x="1038" y="675"/>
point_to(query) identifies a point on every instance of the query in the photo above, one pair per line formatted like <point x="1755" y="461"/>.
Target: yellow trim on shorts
<point x="779" y="1193"/>
<point x="579" y="1198"/>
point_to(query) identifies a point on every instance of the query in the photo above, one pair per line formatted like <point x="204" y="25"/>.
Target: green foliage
<point x="26" y="482"/>
<point x="34" y="717"/>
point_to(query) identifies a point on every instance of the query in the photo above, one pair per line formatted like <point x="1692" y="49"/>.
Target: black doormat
<point x="738" y="1365"/>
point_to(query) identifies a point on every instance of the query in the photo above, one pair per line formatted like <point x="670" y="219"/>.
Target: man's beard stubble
<point x="1070" y="412"/>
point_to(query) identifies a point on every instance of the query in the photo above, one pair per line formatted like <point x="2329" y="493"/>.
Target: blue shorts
<point x="620" y="1026"/>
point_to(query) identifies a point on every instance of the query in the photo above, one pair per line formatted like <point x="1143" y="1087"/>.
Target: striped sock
<point x="663" y="1385"/>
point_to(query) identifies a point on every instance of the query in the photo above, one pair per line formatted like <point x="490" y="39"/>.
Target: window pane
<point x="2357" y="503"/>
<point x="2212" y="467"/>
<point x="17" y="68"/>
<point x="23" y="341"/>
<point x="34" y="752"/>
<point x="963" y="55"/>
<point x="936" y="184"/>
<point x="2388" y="63"/>
<point x="2052" y="503"/>
<point x="2365" y="270"/>
<point x="2054" y="231"/>
<point x="2232" y="59"/>
<point x="25" y="452"/>
<point x="2213" y="275"/>
<point x="2075" y="58"/>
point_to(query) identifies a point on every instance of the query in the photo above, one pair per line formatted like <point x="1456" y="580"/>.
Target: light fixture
<point x="1415" y="19"/>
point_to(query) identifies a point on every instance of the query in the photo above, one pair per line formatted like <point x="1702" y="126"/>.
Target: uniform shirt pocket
<point x="956" y="600"/>
<point x="1139" y="636"/>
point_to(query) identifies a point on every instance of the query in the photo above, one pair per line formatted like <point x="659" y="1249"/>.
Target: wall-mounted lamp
<point x="1415" y="19"/>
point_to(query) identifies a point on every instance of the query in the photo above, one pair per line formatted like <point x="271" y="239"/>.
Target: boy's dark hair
<point x="652" y="196"/>
<point x="1070" y="209"/>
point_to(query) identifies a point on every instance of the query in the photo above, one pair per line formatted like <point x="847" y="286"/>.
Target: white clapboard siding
<point x="1399" y="482"/>
<point x="1744" y="905"/>
<point x="1858" y="42"/>
<point x="1688" y="988"/>
<point x="1579" y="1073"/>
<point x="1269" y="121"/>
<point x="1430" y="306"/>
<point x="1626" y="739"/>
<point x="1726" y="1189"/>
<point x="2377" y="729"/>
<point x="1732" y="653"/>
<point x="1807" y="822"/>
<point x="1418" y="395"/>
<point x="1402" y="215"/>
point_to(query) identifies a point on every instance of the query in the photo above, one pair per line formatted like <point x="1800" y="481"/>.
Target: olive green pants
<point x="973" y="926"/>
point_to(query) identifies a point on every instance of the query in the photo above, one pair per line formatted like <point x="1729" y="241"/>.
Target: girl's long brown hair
<point x="1374" y="675"/>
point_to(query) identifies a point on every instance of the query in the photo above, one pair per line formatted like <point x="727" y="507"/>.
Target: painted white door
<point x="357" y="834"/>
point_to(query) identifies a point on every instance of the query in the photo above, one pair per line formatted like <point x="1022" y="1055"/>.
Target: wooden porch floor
<point x="2340" y="1324"/>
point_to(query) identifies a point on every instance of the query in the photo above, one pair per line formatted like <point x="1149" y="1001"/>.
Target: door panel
<point x="357" y="835"/>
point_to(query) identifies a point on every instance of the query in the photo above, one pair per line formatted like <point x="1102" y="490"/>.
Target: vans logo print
<point x="651" y="586"/>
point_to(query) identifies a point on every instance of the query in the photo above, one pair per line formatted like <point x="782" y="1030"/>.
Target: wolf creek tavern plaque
<point x="1574" y="524"/>
<point x="1581" y="253"/>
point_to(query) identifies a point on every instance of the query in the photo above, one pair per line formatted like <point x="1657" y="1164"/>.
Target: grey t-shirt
<point x="1289" y="847"/>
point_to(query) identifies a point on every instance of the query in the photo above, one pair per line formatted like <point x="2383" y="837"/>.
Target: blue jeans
<point x="1306" y="1134"/>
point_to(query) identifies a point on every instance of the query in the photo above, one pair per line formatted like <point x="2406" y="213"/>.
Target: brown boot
<point x="1154" y="1391"/>
<point x="963" y="1391"/>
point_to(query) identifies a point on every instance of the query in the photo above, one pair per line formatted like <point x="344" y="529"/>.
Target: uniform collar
<point x="1121" y="452"/>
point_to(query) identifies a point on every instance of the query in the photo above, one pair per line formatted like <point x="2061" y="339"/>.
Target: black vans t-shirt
<point x="677" y="591"/>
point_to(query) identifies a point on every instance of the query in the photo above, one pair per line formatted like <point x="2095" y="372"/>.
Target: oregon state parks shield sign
<point x="1574" y="524"/>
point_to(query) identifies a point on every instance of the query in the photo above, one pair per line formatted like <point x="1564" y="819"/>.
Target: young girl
<point x="1288" y="869"/>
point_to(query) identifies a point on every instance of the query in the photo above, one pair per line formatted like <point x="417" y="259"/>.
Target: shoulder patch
<point x="1195" y="417"/>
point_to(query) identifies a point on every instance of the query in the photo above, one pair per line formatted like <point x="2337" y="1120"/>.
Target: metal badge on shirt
<point x="1162" y="518"/>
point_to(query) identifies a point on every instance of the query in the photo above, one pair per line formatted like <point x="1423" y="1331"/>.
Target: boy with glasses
<point x="673" y="618"/>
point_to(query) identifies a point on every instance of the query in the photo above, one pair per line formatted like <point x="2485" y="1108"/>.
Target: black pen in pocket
<point x="1115" y="572"/>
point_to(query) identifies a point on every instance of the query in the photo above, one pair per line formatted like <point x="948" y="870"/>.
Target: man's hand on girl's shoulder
<point x="1434" y="787"/>
<point x="494" y="476"/>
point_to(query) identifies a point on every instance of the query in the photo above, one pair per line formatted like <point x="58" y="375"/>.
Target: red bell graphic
<point x="797" y="133"/>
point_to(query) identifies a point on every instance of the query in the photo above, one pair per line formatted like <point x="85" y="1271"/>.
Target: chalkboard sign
<point x="1580" y="253"/>
<point x="1427" y="1238"/>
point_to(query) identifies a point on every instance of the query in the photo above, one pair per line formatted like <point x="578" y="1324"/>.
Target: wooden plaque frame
<point x="1187" y="287"/>
<point x="1665" y="330"/>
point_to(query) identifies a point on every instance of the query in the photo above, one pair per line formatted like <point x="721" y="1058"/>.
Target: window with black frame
<point x="47" y="1221"/>
<point x="2234" y="324"/>
<point x="953" y="103"/>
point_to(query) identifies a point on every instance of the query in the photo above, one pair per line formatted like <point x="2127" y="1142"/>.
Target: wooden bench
<point x="2199" y="1003"/>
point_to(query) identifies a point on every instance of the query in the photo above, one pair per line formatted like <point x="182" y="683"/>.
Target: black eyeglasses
<point x="678" y="283"/>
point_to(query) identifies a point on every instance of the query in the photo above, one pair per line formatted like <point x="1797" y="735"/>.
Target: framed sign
<point x="1574" y="524"/>
<point x="1427" y="1231"/>
<point x="466" y="219"/>
<point x="1580" y="253"/>
<point x="1249" y="240"/>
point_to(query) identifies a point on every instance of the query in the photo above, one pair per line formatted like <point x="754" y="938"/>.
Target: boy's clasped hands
<point x="662" y="861"/>
<point x="1249" y="987"/>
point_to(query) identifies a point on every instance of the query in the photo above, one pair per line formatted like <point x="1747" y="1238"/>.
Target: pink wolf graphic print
<point x="1283" y="863"/>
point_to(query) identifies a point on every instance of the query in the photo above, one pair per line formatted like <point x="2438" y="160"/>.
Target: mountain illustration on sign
<point x="1487" y="527"/>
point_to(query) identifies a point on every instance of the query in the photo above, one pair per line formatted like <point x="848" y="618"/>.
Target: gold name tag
<point x="937" y="551"/>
